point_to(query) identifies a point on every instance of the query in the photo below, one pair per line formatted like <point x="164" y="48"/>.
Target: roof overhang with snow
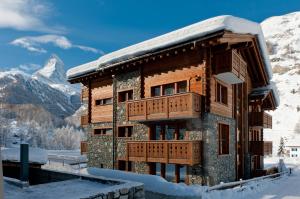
<point x="188" y="33"/>
<point x="196" y="32"/>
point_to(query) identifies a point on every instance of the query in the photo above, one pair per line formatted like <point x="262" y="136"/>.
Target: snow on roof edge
<point x="200" y="29"/>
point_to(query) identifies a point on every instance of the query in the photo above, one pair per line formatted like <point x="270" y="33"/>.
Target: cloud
<point x="26" y="15"/>
<point x="29" y="67"/>
<point x="34" y="44"/>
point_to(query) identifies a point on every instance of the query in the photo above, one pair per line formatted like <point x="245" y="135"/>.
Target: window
<point x="125" y="96"/>
<point x="103" y="131"/>
<point x="169" y="89"/>
<point x="105" y="101"/>
<point x="223" y="131"/>
<point x="125" y="131"/>
<point x="294" y="149"/>
<point x="155" y="91"/>
<point x="221" y="94"/>
<point x="181" y="87"/>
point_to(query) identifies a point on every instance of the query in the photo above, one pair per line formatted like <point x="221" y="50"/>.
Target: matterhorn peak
<point x="53" y="70"/>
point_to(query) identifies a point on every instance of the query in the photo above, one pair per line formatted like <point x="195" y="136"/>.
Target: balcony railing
<point x="230" y="67"/>
<point x="256" y="148"/>
<point x="164" y="151"/>
<point x="84" y="120"/>
<point x="268" y="147"/>
<point x="83" y="147"/>
<point x="84" y="93"/>
<point x="260" y="119"/>
<point x="179" y="106"/>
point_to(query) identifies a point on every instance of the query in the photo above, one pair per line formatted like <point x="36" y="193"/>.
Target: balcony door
<point x="169" y="131"/>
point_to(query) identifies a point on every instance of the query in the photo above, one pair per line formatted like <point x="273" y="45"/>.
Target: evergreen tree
<point x="281" y="151"/>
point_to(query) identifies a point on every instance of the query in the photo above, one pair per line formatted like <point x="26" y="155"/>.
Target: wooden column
<point x="177" y="173"/>
<point x="163" y="170"/>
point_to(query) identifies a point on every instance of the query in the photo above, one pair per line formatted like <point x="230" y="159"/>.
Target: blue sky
<point x="79" y="31"/>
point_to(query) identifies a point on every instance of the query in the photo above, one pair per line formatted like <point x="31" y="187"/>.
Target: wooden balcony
<point x="83" y="147"/>
<point x="165" y="151"/>
<point x="256" y="148"/>
<point x="84" y="93"/>
<point x="230" y="67"/>
<point x="84" y="120"/>
<point x="268" y="147"/>
<point x="179" y="106"/>
<point x="260" y="119"/>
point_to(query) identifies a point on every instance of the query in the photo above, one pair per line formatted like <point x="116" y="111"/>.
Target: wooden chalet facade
<point x="190" y="111"/>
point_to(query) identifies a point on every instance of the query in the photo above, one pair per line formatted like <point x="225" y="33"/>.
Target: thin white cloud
<point x="26" y="15"/>
<point x="34" y="43"/>
<point x="29" y="67"/>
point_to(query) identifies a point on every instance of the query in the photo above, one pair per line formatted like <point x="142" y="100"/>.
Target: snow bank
<point x="194" y="31"/>
<point x="151" y="182"/>
<point x="36" y="155"/>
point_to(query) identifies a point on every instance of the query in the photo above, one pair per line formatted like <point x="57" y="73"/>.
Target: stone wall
<point x="136" y="192"/>
<point x="100" y="147"/>
<point x="215" y="168"/>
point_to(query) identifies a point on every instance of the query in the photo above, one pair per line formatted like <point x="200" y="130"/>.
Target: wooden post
<point x="127" y="151"/>
<point x="163" y="170"/>
<point x="145" y="151"/>
<point x="177" y="173"/>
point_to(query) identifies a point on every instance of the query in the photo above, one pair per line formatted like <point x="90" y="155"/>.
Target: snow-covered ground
<point x="68" y="189"/>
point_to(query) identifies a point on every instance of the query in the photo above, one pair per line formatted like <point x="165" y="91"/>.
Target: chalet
<point x="188" y="105"/>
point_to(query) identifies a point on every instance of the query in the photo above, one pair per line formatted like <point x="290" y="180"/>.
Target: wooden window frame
<point x="175" y="88"/>
<point x="126" y="132"/>
<point x="223" y="146"/>
<point x="219" y="93"/>
<point x="103" y="100"/>
<point x="126" y="92"/>
<point x="103" y="131"/>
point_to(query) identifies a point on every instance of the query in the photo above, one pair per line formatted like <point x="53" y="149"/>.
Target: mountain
<point x="47" y="88"/>
<point x="54" y="74"/>
<point x="53" y="71"/>
<point x="282" y="34"/>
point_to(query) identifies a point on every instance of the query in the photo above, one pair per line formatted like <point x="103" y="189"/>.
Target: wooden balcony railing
<point x="260" y="119"/>
<point x="84" y="93"/>
<point x="84" y="120"/>
<point x="230" y="67"/>
<point x="165" y="151"/>
<point x="268" y="147"/>
<point x="83" y="147"/>
<point x="185" y="105"/>
<point x="256" y="148"/>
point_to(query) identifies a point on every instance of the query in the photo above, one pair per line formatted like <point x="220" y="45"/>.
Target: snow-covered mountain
<point x="47" y="87"/>
<point x="282" y="34"/>
<point x="54" y="74"/>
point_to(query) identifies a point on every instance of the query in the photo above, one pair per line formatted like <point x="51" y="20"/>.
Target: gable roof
<point x="194" y="31"/>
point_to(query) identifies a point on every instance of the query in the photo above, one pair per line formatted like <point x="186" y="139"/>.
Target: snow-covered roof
<point x="36" y="155"/>
<point x="265" y="90"/>
<point x="194" y="31"/>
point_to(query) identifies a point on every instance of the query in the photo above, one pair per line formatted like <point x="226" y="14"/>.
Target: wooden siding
<point x="164" y="151"/>
<point x="216" y="107"/>
<point x="84" y="120"/>
<point x="101" y="90"/>
<point x="187" y="66"/>
<point x="185" y="105"/>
